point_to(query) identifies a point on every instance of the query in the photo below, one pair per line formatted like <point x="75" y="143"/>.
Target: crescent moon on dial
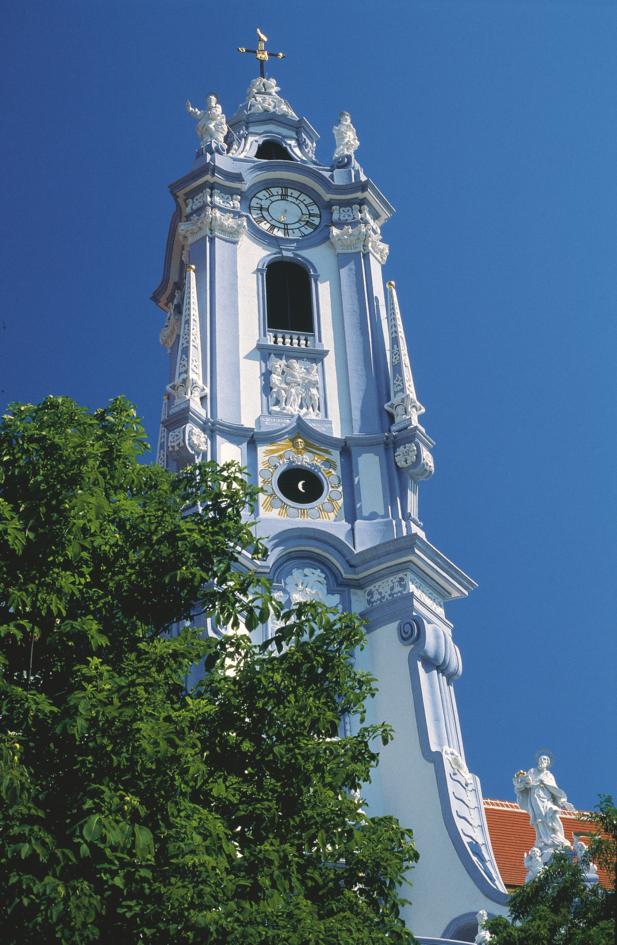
<point x="301" y="485"/>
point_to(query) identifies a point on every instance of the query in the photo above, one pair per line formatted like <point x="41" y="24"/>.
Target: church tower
<point x="287" y="353"/>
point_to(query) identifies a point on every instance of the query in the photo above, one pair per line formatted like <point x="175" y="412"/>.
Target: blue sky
<point x="491" y="127"/>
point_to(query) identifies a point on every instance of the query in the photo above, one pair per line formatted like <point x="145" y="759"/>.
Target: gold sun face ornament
<point x="300" y="480"/>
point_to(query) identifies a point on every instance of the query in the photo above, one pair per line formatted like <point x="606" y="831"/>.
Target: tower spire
<point x="261" y="53"/>
<point x="187" y="383"/>
<point x="403" y="404"/>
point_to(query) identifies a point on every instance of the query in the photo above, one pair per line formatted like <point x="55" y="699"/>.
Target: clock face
<point x="285" y="211"/>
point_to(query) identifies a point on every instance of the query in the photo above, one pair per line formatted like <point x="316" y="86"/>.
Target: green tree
<point x="558" y="908"/>
<point x="136" y="806"/>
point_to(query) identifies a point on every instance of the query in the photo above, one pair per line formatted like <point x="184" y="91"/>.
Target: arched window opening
<point x="288" y="297"/>
<point x="272" y="151"/>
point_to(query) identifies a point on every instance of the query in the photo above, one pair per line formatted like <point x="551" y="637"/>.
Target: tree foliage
<point x="134" y="806"/>
<point x="558" y="908"/>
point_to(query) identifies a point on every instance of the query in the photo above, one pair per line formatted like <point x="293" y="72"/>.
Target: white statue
<point x="537" y="793"/>
<point x="345" y="137"/>
<point x="211" y="124"/>
<point x="532" y="861"/>
<point x="590" y="870"/>
<point x="484" y="936"/>
<point x="294" y="386"/>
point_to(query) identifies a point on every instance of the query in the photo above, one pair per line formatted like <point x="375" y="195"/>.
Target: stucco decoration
<point x="345" y="138"/>
<point x="294" y="386"/>
<point x="466" y="805"/>
<point x="359" y="234"/>
<point x="262" y="96"/>
<point x="398" y="584"/>
<point x="307" y="145"/>
<point x="532" y="861"/>
<point x="458" y="765"/>
<point x="307" y="584"/>
<point x="484" y="936"/>
<point x="537" y="792"/>
<point x="300" y="452"/>
<point x="187" y="443"/>
<point x="161" y="450"/>
<point x="213" y="222"/>
<point x="345" y="214"/>
<point x="590" y="870"/>
<point x="403" y="404"/>
<point x="406" y="455"/>
<point x="169" y="331"/>
<point x="211" y="196"/>
<point x="188" y="383"/>
<point x="211" y="125"/>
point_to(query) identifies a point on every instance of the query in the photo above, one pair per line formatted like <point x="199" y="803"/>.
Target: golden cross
<point x="261" y="53"/>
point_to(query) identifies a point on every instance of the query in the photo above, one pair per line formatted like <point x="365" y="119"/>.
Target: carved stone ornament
<point x="346" y="214"/>
<point x="300" y="452"/>
<point x="262" y="96"/>
<point x="210" y="196"/>
<point x="188" y="441"/>
<point x="307" y="584"/>
<point x="403" y="404"/>
<point x="294" y="386"/>
<point x="169" y="331"/>
<point x="406" y="455"/>
<point x="466" y="805"/>
<point x="364" y="237"/>
<point x="403" y="583"/>
<point x="213" y="222"/>
<point x="211" y="125"/>
<point x="187" y="383"/>
<point x="161" y="451"/>
<point x="307" y="145"/>
<point x="345" y="138"/>
<point x="458" y="765"/>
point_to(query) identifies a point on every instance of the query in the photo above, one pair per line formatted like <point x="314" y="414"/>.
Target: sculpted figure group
<point x="294" y="386"/>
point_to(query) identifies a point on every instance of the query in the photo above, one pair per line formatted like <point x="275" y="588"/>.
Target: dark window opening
<point x="272" y="151"/>
<point x="288" y="294"/>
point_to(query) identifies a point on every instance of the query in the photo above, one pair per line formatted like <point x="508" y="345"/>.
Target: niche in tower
<point x="288" y="297"/>
<point x="270" y="150"/>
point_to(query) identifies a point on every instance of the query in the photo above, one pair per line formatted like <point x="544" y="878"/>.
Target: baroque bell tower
<point x="287" y="353"/>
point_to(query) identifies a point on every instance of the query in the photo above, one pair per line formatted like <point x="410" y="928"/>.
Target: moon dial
<point x="300" y="485"/>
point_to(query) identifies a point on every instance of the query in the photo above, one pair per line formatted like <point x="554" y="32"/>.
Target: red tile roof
<point x="512" y="836"/>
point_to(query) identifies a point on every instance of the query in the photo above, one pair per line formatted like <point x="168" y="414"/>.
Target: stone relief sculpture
<point x="484" y="936"/>
<point x="537" y="792"/>
<point x="345" y="138"/>
<point x="169" y="331"/>
<point x="406" y="455"/>
<point x="532" y="861"/>
<point x="308" y="584"/>
<point x="262" y="96"/>
<point x="294" y="386"/>
<point x="211" y="125"/>
<point x="213" y="222"/>
<point x="345" y="214"/>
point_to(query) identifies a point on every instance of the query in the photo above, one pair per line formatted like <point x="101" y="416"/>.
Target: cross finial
<point x="261" y="53"/>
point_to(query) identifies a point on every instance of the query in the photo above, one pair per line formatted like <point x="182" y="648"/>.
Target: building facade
<point x="288" y="354"/>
